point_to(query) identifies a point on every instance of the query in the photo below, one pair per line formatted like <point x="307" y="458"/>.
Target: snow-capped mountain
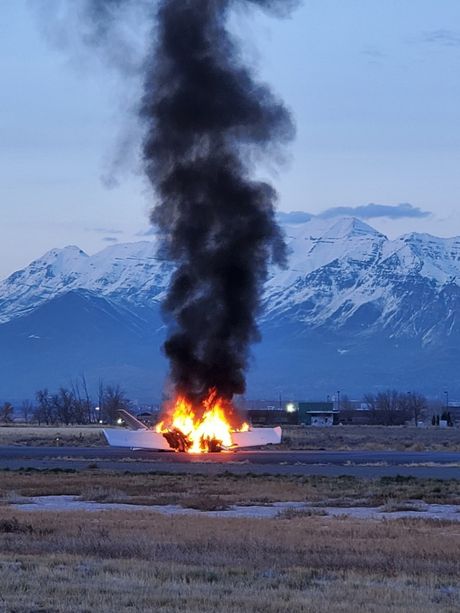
<point x="346" y="274"/>
<point x="351" y="305"/>
<point x="130" y="272"/>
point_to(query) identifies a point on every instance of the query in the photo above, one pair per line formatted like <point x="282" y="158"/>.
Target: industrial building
<point x="320" y="414"/>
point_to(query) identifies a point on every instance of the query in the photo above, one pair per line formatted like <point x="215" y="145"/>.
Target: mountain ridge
<point x="348" y="291"/>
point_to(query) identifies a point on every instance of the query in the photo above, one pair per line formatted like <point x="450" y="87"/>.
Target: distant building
<point x="321" y="414"/>
<point x="271" y="417"/>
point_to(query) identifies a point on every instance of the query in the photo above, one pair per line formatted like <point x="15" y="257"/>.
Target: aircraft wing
<point x="149" y="439"/>
<point x="136" y="439"/>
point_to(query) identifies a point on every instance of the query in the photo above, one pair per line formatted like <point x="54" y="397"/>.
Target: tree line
<point x="393" y="408"/>
<point x="71" y="405"/>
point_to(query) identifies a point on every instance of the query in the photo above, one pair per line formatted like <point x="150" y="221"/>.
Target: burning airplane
<point x="183" y="431"/>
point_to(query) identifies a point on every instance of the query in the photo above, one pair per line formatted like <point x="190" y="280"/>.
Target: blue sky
<point x="374" y="87"/>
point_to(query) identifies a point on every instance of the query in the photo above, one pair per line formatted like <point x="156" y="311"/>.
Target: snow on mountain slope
<point x="344" y="274"/>
<point x="42" y="280"/>
<point x="325" y="258"/>
<point x="318" y="242"/>
<point x="341" y="273"/>
<point x="130" y="272"/>
<point x="432" y="257"/>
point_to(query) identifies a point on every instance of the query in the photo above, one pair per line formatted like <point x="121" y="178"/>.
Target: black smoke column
<point x="206" y="123"/>
<point x="205" y="119"/>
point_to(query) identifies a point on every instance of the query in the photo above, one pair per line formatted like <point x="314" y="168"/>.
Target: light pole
<point x="338" y="400"/>
<point x="447" y="400"/>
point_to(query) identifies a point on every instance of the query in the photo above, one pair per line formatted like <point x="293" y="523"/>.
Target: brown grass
<point x="52" y="436"/>
<point x="293" y="513"/>
<point x="183" y="489"/>
<point x="393" y="506"/>
<point x="399" y="438"/>
<point x="118" y="561"/>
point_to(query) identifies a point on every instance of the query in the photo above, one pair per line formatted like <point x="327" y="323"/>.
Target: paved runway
<point x="360" y="463"/>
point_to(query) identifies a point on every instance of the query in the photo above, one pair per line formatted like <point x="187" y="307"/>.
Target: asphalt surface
<point x="360" y="463"/>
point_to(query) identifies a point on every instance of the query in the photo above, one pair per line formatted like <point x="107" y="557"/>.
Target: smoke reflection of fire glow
<point x="210" y="430"/>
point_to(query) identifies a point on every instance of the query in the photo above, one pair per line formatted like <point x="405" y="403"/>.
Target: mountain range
<point x="352" y="311"/>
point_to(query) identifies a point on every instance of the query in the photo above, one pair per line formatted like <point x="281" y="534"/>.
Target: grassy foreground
<point x="136" y="561"/>
<point x="143" y="561"/>
<point x="206" y="492"/>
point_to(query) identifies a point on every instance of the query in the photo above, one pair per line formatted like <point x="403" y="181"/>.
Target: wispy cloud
<point x="366" y="211"/>
<point x="101" y="230"/>
<point x="443" y="37"/>
<point x="372" y="211"/>
<point x="293" y="217"/>
<point x="373" y="53"/>
<point x="110" y="239"/>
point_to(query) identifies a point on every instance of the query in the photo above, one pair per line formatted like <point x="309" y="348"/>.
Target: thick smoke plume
<point x="205" y="120"/>
<point x="204" y="112"/>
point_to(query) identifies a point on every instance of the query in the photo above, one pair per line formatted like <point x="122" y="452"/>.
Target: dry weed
<point x="121" y="561"/>
<point x="157" y="488"/>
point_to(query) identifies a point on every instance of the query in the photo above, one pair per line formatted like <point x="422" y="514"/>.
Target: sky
<point x="373" y="87"/>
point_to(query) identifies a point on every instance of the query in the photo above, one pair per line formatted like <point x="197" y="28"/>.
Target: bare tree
<point x="44" y="411"/>
<point x="27" y="409"/>
<point x="391" y="408"/>
<point x="64" y="406"/>
<point x="74" y="405"/>
<point x="82" y="401"/>
<point x="416" y="404"/>
<point x="113" y="399"/>
<point x="6" y="413"/>
<point x="389" y="402"/>
<point x="370" y="401"/>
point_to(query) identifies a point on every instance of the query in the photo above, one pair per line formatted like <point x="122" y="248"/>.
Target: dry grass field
<point x="140" y="561"/>
<point x="208" y="492"/>
<point x="47" y="436"/>
<point x="300" y="562"/>
<point x="399" y="438"/>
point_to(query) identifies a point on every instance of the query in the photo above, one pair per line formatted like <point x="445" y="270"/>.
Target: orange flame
<point x="212" y="431"/>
